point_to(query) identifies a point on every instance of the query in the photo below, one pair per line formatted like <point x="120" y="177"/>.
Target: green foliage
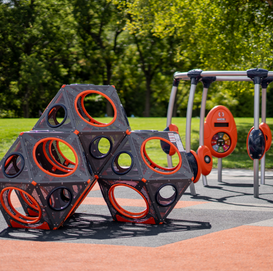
<point x="134" y="45"/>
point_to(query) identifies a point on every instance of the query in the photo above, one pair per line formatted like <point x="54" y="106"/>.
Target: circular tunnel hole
<point x="57" y="115"/>
<point x="59" y="198"/>
<point x="166" y="195"/>
<point x="50" y="155"/>
<point x="13" y="165"/>
<point x="122" y="162"/>
<point x="92" y="104"/>
<point x="117" y="196"/>
<point x="155" y="157"/>
<point x="100" y="147"/>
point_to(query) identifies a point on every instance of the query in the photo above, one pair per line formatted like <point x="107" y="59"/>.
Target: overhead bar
<point x="220" y="75"/>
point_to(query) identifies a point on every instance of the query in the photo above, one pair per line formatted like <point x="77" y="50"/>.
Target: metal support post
<point x="265" y="82"/>
<point x="256" y="75"/>
<point x="220" y="170"/>
<point x="195" y="77"/>
<point x="206" y="83"/>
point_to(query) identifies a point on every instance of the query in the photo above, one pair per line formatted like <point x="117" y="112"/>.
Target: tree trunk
<point x="109" y="108"/>
<point x="26" y="103"/>
<point x="147" y="97"/>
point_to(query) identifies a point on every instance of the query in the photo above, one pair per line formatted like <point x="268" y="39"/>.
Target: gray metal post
<point x="263" y="120"/>
<point x="256" y="75"/>
<point x="201" y="126"/>
<point x="219" y="169"/>
<point x="170" y="111"/>
<point x="206" y="83"/>
<point x="265" y="82"/>
<point x="195" y="77"/>
<point x="188" y="127"/>
<point x="256" y="127"/>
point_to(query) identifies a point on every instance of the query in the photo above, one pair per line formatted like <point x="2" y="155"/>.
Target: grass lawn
<point x="11" y="128"/>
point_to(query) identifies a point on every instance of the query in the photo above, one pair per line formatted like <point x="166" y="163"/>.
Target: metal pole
<point x="201" y="127"/>
<point x="189" y="116"/>
<point x="219" y="169"/>
<point x="263" y="120"/>
<point x="206" y="83"/>
<point x="170" y="112"/>
<point x="257" y="75"/>
<point x="256" y="127"/>
<point x="188" y="127"/>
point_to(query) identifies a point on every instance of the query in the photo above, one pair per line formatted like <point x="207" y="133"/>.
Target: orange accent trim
<point x="143" y="180"/>
<point x="91" y="120"/>
<point x="88" y="181"/>
<point x="153" y="165"/>
<point x="203" y="151"/>
<point x="51" y="161"/>
<point x="44" y="226"/>
<point x="76" y="132"/>
<point x="46" y="171"/>
<point x="33" y="183"/>
<point x="113" y="86"/>
<point x="21" y="133"/>
<point x="198" y="167"/>
<point x="267" y="133"/>
<point x="31" y="212"/>
<point x="84" y="93"/>
<point x="128" y="132"/>
<point x="28" y="202"/>
<point x="80" y="199"/>
<point x="63" y="86"/>
<point x="28" y="219"/>
<point x="173" y="128"/>
<point x="67" y="161"/>
<point x="192" y="178"/>
<point x="96" y="176"/>
<point x="9" y="159"/>
<point x="122" y="210"/>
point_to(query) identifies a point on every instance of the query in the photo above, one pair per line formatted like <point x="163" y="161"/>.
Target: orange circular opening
<point x="154" y="166"/>
<point x="51" y="160"/>
<point x="11" y="210"/>
<point x="83" y="112"/>
<point x="117" y="204"/>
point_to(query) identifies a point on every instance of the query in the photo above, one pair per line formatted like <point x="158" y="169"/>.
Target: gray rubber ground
<point x="226" y="205"/>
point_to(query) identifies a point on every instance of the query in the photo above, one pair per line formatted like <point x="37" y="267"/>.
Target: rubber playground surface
<point x="223" y="227"/>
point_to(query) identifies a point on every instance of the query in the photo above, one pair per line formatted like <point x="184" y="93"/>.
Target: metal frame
<point x="255" y="75"/>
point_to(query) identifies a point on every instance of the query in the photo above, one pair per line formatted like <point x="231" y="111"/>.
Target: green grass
<point x="11" y="128"/>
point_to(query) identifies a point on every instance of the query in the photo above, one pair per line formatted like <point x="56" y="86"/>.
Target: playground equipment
<point x="220" y="134"/>
<point x="51" y="185"/>
<point x="259" y="133"/>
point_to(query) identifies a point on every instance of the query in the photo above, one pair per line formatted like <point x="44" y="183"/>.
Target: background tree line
<point x="134" y="45"/>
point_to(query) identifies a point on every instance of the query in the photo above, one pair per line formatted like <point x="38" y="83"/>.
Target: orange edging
<point x="154" y="165"/>
<point x="28" y="219"/>
<point x="122" y="210"/>
<point x="92" y="121"/>
<point x="46" y="171"/>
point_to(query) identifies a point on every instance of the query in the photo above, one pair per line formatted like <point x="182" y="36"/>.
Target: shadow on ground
<point x="98" y="227"/>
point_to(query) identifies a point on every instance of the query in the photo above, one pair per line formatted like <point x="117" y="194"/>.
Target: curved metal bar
<point x="189" y="116"/>
<point x="202" y="116"/>
<point x="171" y="105"/>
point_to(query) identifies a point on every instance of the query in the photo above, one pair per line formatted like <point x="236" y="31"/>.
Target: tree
<point x="37" y="44"/>
<point x="99" y="26"/>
